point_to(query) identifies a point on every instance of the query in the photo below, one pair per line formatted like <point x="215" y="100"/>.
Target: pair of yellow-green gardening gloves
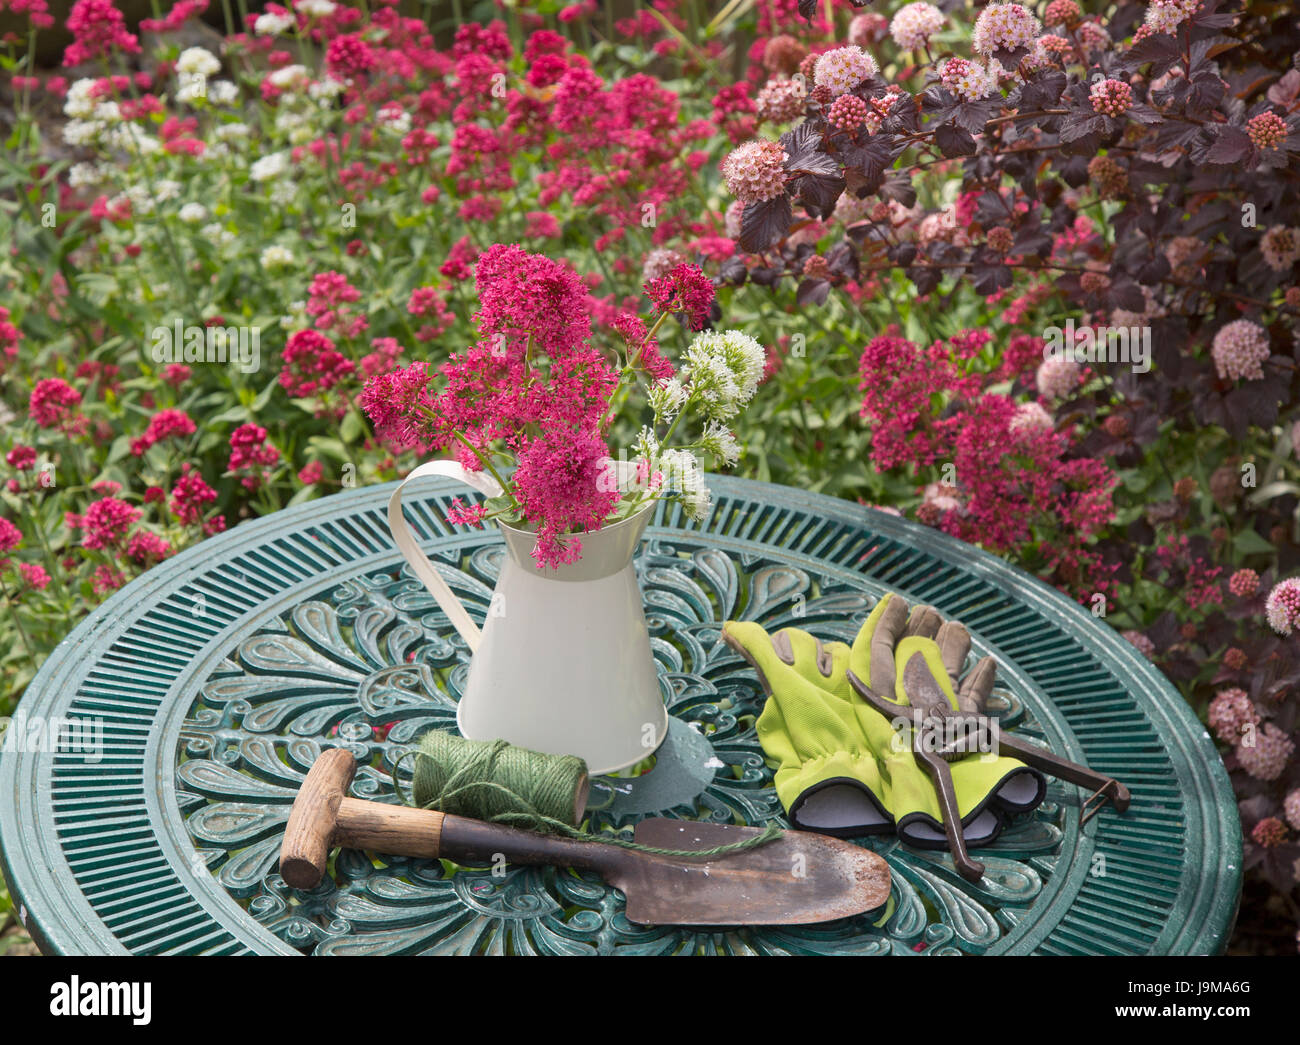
<point x="843" y="767"/>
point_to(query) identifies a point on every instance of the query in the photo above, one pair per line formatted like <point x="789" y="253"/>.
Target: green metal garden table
<point x="218" y="677"/>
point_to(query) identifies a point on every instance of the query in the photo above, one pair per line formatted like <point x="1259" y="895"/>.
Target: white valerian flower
<point x="284" y="191"/>
<point x="192" y="213"/>
<point x="131" y="138"/>
<point x="288" y="78"/>
<point x="81" y="175"/>
<point x="296" y="318"/>
<point x="108" y="112"/>
<point x="197" y="61"/>
<point x="270" y="24"/>
<point x="217" y="234"/>
<point x="79" y="104"/>
<point x="647" y="444"/>
<point x="81" y="132"/>
<point x="326" y="89"/>
<point x="721" y="443"/>
<point x="684" y="477"/>
<point x="316" y="8"/>
<point x="394" y="120"/>
<point x="222" y="92"/>
<point x="724" y="371"/>
<point x="269" y="167"/>
<point x="192" y="89"/>
<point x="276" y="256"/>
<point x="230" y="131"/>
<point x="666" y="398"/>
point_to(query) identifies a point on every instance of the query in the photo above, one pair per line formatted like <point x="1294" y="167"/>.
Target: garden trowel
<point x="797" y="878"/>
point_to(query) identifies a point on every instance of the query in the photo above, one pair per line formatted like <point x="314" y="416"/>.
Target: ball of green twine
<point x="494" y="781"/>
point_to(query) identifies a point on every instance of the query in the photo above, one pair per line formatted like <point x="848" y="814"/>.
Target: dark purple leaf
<point x="819" y="193"/>
<point x="763" y="223"/>
<point x="1230" y="145"/>
<point x="954" y="141"/>
<point x="813" y="292"/>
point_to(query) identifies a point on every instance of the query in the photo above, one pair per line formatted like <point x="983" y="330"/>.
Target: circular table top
<point x="198" y="696"/>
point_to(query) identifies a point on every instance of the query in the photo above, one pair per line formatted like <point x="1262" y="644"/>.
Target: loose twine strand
<point x="495" y="781"/>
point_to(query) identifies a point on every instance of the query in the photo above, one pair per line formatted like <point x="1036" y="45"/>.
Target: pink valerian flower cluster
<point x="312" y="365"/>
<point x="189" y="497"/>
<point x="251" y="457"/>
<point x="10" y="535"/>
<point x="10" y="335"/>
<point x="37" y="10"/>
<point x="1013" y="467"/>
<point x="165" y="424"/>
<point x="55" y="404"/>
<point x="98" y="29"/>
<point x="146" y="549"/>
<point x="328" y="299"/>
<point x="427" y="303"/>
<point x="105" y="523"/>
<point x="181" y="13"/>
<point x="532" y="382"/>
<point x="686" y="290"/>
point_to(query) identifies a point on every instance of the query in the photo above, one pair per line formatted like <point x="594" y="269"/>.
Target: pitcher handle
<point x="420" y="564"/>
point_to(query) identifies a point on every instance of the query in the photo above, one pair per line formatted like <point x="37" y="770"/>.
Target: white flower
<point x="193" y="88"/>
<point x="108" y="112"/>
<point x="394" y="120"/>
<point x="284" y="191"/>
<point x="222" y="92"/>
<point x="84" y="174"/>
<point x="721" y="443"/>
<point x="289" y="78"/>
<point x="81" y="132"/>
<point x="724" y="371"/>
<point x="272" y="24"/>
<point x="193" y="213"/>
<point x="666" y="398"/>
<point x="79" y="104"/>
<point x="296" y="318"/>
<point x="217" y="234"/>
<point x="315" y="8"/>
<point x="324" y="90"/>
<point x="230" y="131"/>
<point x="269" y="167"/>
<point x="276" y="256"/>
<point x="196" y="61"/>
<point x="684" y="477"/>
<point x="130" y="137"/>
<point x="647" y="444"/>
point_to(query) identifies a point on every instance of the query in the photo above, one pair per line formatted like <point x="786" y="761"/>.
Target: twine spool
<point x="495" y="781"/>
<point x="498" y="782"/>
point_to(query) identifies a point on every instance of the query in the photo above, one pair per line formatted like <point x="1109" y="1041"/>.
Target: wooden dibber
<point x="798" y="878"/>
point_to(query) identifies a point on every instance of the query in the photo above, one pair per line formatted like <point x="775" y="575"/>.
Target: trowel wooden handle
<point x="323" y="817"/>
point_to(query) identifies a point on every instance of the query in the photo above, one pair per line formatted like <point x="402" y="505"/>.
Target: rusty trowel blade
<point x="797" y="879"/>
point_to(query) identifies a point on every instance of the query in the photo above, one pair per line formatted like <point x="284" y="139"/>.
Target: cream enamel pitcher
<point x="563" y="663"/>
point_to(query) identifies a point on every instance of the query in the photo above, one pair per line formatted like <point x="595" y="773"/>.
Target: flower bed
<point x="1025" y="274"/>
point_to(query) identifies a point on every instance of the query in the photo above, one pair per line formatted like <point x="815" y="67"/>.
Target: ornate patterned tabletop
<point x="217" y="678"/>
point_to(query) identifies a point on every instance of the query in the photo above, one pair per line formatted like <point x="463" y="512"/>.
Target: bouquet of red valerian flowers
<point x="534" y="393"/>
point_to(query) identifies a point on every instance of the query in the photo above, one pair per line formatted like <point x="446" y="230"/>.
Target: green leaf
<point x="1248" y="542"/>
